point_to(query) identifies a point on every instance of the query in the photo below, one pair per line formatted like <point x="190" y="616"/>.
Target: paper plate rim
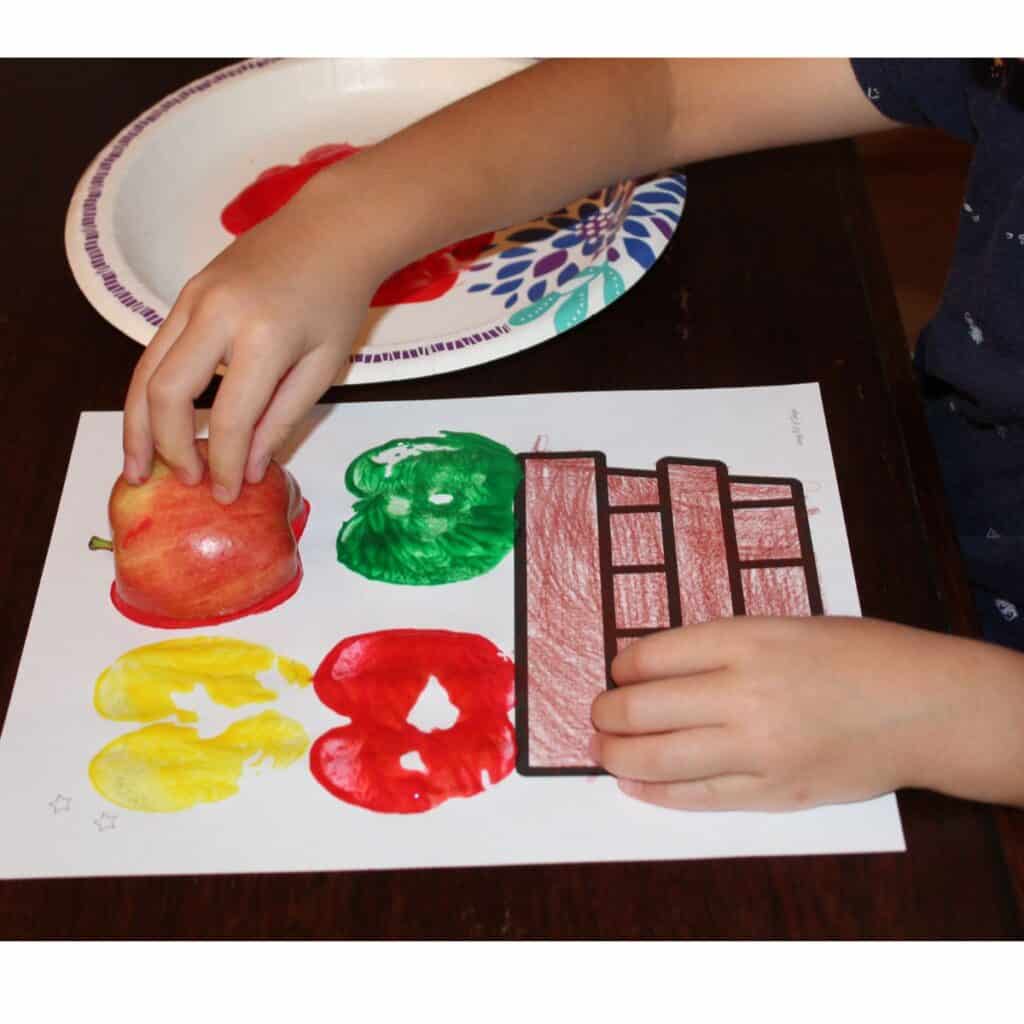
<point x="97" y="273"/>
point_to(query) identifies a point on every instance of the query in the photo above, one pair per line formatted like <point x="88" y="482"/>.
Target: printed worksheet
<point x="425" y="603"/>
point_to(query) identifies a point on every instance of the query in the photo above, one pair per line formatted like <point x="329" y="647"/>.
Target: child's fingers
<point x="183" y="373"/>
<point x="733" y="792"/>
<point x="672" y="757"/>
<point x="681" y="651"/>
<point x="138" y="434"/>
<point x="244" y="394"/>
<point x="295" y="396"/>
<point x="662" y="705"/>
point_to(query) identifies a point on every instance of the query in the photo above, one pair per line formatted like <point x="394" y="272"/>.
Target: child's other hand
<point x="781" y="714"/>
<point x="280" y="308"/>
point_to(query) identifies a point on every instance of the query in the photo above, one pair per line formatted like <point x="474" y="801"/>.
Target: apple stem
<point x="100" y="544"/>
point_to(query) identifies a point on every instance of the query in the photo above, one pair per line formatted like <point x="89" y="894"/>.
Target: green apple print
<point x="430" y="510"/>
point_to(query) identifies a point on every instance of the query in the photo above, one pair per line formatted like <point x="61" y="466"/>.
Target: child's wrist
<point x="380" y="225"/>
<point x="973" y="746"/>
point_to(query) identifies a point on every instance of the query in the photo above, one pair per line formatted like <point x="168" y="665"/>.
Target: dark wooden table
<point x="776" y="276"/>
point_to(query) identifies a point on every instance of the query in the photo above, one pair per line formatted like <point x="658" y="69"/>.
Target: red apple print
<point x="382" y="760"/>
<point x="426" y="279"/>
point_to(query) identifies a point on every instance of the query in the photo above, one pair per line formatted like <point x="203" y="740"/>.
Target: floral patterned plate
<point x="152" y="209"/>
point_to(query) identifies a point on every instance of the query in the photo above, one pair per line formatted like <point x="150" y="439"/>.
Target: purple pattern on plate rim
<point x="89" y="229"/>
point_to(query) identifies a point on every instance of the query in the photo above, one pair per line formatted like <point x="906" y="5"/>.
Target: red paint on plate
<point x="422" y="281"/>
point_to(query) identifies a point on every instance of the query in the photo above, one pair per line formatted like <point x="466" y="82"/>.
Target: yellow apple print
<point x="167" y="767"/>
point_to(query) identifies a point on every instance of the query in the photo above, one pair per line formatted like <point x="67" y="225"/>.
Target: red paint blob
<point x="276" y="185"/>
<point x="426" y="279"/>
<point x="271" y="601"/>
<point x="376" y="679"/>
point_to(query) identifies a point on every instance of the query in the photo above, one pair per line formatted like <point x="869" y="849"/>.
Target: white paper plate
<point x="146" y="214"/>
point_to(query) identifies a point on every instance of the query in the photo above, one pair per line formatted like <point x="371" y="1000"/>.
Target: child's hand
<point x="780" y="714"/>
<point x="280" y="307"/>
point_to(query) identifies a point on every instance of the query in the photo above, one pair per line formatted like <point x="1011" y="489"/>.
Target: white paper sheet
<point x="56" y="824"/>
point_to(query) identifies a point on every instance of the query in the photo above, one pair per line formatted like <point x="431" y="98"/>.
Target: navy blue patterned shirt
<point x="970" y="356"/>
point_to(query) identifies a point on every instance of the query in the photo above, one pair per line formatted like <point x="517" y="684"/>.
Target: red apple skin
<point x="179" y="554"/>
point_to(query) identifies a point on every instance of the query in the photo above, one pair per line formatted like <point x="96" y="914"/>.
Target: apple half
<point x="182" y="560"/>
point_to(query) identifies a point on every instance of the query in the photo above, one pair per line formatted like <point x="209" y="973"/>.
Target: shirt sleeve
<point x="920" y="92"/>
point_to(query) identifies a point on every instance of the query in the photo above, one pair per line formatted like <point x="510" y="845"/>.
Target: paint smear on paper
<point x="140" y="686"/>
<point x="426" y="279"/>
<point x="164" y="768"/>
<point x="169" y="767"/>
<point x="430" y="510"/>
<point x="427" y="719"/>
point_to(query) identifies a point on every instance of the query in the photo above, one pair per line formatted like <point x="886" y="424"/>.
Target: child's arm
<point x="777" y="714"/>
<point x="282" y="304"/>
